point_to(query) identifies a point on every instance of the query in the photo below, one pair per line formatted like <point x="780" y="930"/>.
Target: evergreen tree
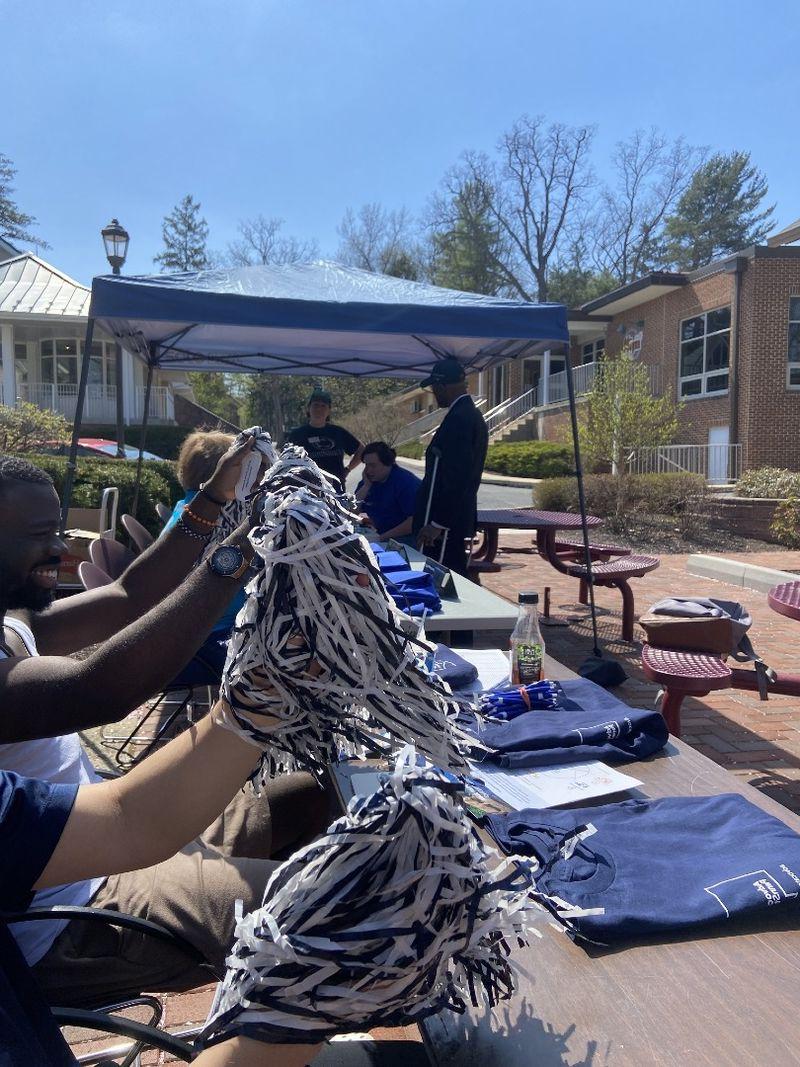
<point x="185" y="233"/>
<point x="466" y="246"/>
<point x="212" y="391"/>
<point x="13" y="222"/>
<point x="720" y="212"/>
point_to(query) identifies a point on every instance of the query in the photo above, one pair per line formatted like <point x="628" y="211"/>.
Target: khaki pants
<point x="192" y="894"/>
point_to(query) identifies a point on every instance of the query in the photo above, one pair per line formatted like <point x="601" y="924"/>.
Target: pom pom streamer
<point x="305" y="604"/>
<point x="390" y="917"/>
<point x="235" y="511"/>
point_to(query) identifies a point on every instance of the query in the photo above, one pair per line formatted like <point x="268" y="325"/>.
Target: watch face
<point x="226" y="559"/>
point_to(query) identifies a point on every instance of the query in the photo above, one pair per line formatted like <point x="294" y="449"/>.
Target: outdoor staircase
<point x="525" y="428"/>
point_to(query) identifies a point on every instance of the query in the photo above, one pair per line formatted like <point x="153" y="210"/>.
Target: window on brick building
<point x="593" y="351"/>
<point x="705" y="353"/>
<point x="793" y="354"/>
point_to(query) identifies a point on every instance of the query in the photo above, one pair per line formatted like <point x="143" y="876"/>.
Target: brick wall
<point x="745" y="516"/>
<point x="769" y="413"/>
<point x="660" y="346"/>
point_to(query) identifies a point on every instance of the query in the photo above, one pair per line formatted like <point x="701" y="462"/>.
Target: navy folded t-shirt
<point x="590" y="724"/>
<point x="671" y="864"/>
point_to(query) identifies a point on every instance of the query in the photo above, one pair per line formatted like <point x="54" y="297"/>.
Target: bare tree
<point x="532" y="191"/>
<point x="262" y="242"/>
<point x="651" y="175"/>
<point x="382" y="241"/>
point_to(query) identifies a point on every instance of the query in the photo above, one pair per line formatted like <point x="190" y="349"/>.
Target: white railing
<point x="583" y="378"/>
<point x="425" y="425"/>
<point x="511" y="410"/>
<point x="718" y="464"/>
<point x="161" y="404"/>
<point x="100" y="403"/>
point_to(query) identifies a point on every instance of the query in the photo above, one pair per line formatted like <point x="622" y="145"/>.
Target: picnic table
<point x="726" y="996"/>
<point x="611" y="566"/>
<point x="785" y="599"/>
<point x="544" y="523"/>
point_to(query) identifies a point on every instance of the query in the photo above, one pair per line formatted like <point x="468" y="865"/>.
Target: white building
<point x="43" y="315"/>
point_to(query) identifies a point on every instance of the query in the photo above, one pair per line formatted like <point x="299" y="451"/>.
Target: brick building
<point x="725" y="340"/>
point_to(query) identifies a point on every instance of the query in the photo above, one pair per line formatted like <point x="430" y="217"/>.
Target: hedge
<point x="774" y="483"/>
<point x="94" y="475"/>
<point x="522" y="459"/>
<point x="530" y="459"/>
<point x="659" y="494"/>
<point x="165" y="441"/>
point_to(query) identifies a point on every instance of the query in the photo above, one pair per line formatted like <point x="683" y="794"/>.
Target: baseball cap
<point x="318" y="393"/>
<point x="446" y="372"/>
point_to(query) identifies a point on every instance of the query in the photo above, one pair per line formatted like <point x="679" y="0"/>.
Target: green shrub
<point x="165" y="441"/>
<point x="93" y="475"/>
<point x="785" y="525"/>
<point x="775" y="483"/>
<point x="411" y="450"/>
<point x="530" y="459"/>
<point x="618" y="499"/>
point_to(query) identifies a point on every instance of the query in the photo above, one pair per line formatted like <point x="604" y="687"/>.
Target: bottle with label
<point x="527" y="646"/>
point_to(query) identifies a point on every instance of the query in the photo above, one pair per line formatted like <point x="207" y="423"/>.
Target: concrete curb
<point x="488" y="476"/>
<point x="736" y="572"/>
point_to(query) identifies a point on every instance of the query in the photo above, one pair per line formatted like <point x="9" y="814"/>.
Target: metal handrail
<point x="512" y="410"/>
<point x="719" y="464"/>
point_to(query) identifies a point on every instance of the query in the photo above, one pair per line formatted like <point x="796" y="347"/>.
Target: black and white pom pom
<point x="390" y="917"/>
<point x="234" y="512"/>
<point x="305" y="604"/>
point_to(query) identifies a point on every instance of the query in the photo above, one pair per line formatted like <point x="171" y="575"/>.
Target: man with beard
<point x="145" y="630"/>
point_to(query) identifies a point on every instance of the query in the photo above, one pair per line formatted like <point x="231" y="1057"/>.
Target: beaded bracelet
<point x="181" y="525"/>
<point x="198" y="518"/>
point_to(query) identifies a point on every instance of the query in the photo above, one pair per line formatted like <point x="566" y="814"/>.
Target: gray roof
<point x="29" y="286"/>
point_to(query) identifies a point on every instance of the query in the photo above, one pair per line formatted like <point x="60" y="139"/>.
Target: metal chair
<point x="141" y="537"/>
<point x="92" y="576"/>
<point x="110" y="556"/>
<point x="164" y="513"/>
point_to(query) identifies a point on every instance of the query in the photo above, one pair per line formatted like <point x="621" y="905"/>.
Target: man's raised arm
<point x="43" y="696"/>
<point x="95" y="615"/>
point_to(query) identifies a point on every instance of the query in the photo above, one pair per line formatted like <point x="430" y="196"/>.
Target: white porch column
<point x="9" y="371"/>
<point x="128" y="388"/>
<point x="545" y="397"/>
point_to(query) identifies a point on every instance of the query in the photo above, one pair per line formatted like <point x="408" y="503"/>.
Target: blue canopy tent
<point x="311" y="319"/>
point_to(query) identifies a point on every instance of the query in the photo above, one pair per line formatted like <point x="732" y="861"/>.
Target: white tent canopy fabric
<point x="315" y="319"/>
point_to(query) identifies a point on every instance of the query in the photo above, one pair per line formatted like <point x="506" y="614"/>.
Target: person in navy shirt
<point x="388" y="493"/>
<point x="54" y="833"/>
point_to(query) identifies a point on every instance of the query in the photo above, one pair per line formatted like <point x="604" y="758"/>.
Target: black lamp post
<point x="115" y="239"/>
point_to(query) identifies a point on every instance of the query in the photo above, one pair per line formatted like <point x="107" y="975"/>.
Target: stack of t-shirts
<point x="414" y="592"/>
<point x="590" y="724"/>
<point x="644" y="866"/>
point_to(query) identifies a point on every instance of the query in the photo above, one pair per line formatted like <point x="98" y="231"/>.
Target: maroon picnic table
<point x="785" y="599"/>
<point x="611" y="566"/>
<point x="544" y="523"/>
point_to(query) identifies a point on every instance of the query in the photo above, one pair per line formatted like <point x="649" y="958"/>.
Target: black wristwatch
<point x="228" y="561"/>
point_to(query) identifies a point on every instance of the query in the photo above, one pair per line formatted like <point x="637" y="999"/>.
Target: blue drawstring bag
<point x="414" y="592"/>
<point x="640" y="867"/>
<point x="389" y="561"/>
<point x="452" y="668"/>
<point x="589" y="724"/>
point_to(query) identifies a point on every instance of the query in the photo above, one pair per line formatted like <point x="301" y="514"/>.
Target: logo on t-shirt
<point x="323" y="446"/>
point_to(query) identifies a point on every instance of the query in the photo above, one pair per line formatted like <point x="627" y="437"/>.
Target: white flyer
<point x="549" y="787"/>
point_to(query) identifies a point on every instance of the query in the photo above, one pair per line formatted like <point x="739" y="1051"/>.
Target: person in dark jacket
<point x="448" y="498"/>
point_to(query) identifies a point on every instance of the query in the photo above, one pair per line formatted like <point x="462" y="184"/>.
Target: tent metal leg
<point x="148" y="388"/>
<point x="72" y="461"/>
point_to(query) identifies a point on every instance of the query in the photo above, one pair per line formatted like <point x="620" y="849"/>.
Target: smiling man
<point x="143" y="628"/>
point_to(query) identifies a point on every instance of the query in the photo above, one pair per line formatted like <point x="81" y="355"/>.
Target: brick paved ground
<point x="759" y="742"/>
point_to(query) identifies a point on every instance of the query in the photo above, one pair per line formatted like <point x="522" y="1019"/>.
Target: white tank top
<point x="52" y="759"/>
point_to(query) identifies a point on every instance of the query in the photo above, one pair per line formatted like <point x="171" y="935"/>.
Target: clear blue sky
<point x="301" y="108"/>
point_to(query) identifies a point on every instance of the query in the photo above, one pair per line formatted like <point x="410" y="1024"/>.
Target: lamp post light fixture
<point x="116" y="238"/>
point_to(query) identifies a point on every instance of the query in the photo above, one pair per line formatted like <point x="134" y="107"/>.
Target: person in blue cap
<point x="326" y="443"/>
<point x="448" y="498"/>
